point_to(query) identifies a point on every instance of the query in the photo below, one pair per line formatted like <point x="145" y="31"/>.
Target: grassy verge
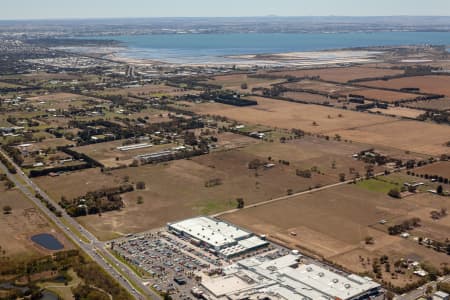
<point x="118" y="269"/>
<point x="74" y="230"/>
<point x="140" y="272"/>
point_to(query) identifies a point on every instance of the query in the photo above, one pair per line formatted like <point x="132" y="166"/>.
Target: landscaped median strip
<point x="74" y="230"/>
<point x="119" y="270"/>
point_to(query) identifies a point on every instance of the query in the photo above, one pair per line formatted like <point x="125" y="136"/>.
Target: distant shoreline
<point x="264" y="49"/>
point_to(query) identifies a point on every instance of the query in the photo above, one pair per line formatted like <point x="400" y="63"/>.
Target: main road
<point x="95" y="249"/>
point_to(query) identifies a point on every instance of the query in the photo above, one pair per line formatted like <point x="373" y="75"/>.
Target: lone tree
<point x="240" y="203"/>
<point x="369" y="240"/>
<point x="7" y="209"/>
<point x="140" y="185"/>
<point x="440" y="190"/>
<point x="394" y="193"/>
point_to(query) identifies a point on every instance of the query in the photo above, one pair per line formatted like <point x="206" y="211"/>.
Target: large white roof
<point x="210" y="231"/>
<point x="305" y="281"/>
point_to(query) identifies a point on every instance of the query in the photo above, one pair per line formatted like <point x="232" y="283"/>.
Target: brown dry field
<point x="148" y="90"/>
<point x="62" y="100"/>
<point x="25" y="221"/>
<point x="324" y="87"/>
<point x="344" y="90"/>
<point x="381" y="95"/>
<point x="420" y="137"/>
<point x="284" y="114"/>
<point x="441" y="168"/>
<point x="53" y="143"/>
<point x="307" y="97"/>
<point x="399" y="111"/>
<point x="164" y="203"/>
<point x="341" y="74"/>
<point x="334" y="222"/>
<point x="434" y="84"/>
<point x="77" y="183"/>
<point x="438" y="104"/>
<point x="234" y="81"/>
<point x="376" y="130"/>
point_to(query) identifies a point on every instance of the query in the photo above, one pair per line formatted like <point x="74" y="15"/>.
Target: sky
<point x="61" y="9"/>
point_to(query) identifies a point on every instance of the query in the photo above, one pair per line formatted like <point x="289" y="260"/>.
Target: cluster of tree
<point x="80" y="156"/>
<point x="377" y="263"/>
<point x="439" y="246"/>
<point x="115" y="99"/>
<point x="213" y="182"/>
<point x="440" y="117"/>
<point x="240" y="203"/>
<point x="404" y="226"/>
<point x="67" y="168"/>
<point x="255" y="164"/>
<point x="395" y="193"/>
<point x="275" y="91"/>
<point x="439" y="214"/>
<point x="8" y="183"/>
<point x="15" y="154"/>
<point x="59" y="263"/>
<point x="304" y="173"/>
<point x="28" y="122"/>
<point x="98" y="201"/>
<point x="49" y="205"/>
<point x="437" y="178"/>
<point x="235" y="101"/>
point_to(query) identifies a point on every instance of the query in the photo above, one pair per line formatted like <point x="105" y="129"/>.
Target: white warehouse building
<point x="221" y="237"/>
<point x="286" y="278"/>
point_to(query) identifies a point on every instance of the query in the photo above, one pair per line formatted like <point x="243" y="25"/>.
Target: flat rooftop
<point x="213" y="232"/>
<point x="286" y="278"/>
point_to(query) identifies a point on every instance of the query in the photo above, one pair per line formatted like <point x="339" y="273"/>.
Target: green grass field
<point x="376" y="185"/>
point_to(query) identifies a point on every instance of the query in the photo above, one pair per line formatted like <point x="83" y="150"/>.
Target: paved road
<point x="94" y="249"/>
<point x="419" y="292"/>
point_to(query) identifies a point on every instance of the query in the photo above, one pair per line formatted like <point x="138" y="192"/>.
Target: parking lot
<point x="171" y="262"/>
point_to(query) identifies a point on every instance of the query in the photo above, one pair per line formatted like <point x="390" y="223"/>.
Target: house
<point x="441" y="296"/>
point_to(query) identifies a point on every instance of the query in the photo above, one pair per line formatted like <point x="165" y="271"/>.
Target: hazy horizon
<point x="103" y="9"/>
<point x="223" y="17"/>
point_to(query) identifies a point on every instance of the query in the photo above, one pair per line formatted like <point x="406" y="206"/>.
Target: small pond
<point x="11" y="286"/>
<point x="47" y="295"/>
<point x="47" y="241"/>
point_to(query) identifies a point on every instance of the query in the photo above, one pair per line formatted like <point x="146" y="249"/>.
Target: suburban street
<point x="95" y="249"/>
<point x="419" y="292"/>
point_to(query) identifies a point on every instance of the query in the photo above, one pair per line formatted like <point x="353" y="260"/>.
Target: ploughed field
<point x="415" y="136"/>
<point x="433" y="84"/>
<point x="340" y="74"/>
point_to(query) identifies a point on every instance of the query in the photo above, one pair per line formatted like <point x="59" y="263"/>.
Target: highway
<point x="95" y="249"/>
